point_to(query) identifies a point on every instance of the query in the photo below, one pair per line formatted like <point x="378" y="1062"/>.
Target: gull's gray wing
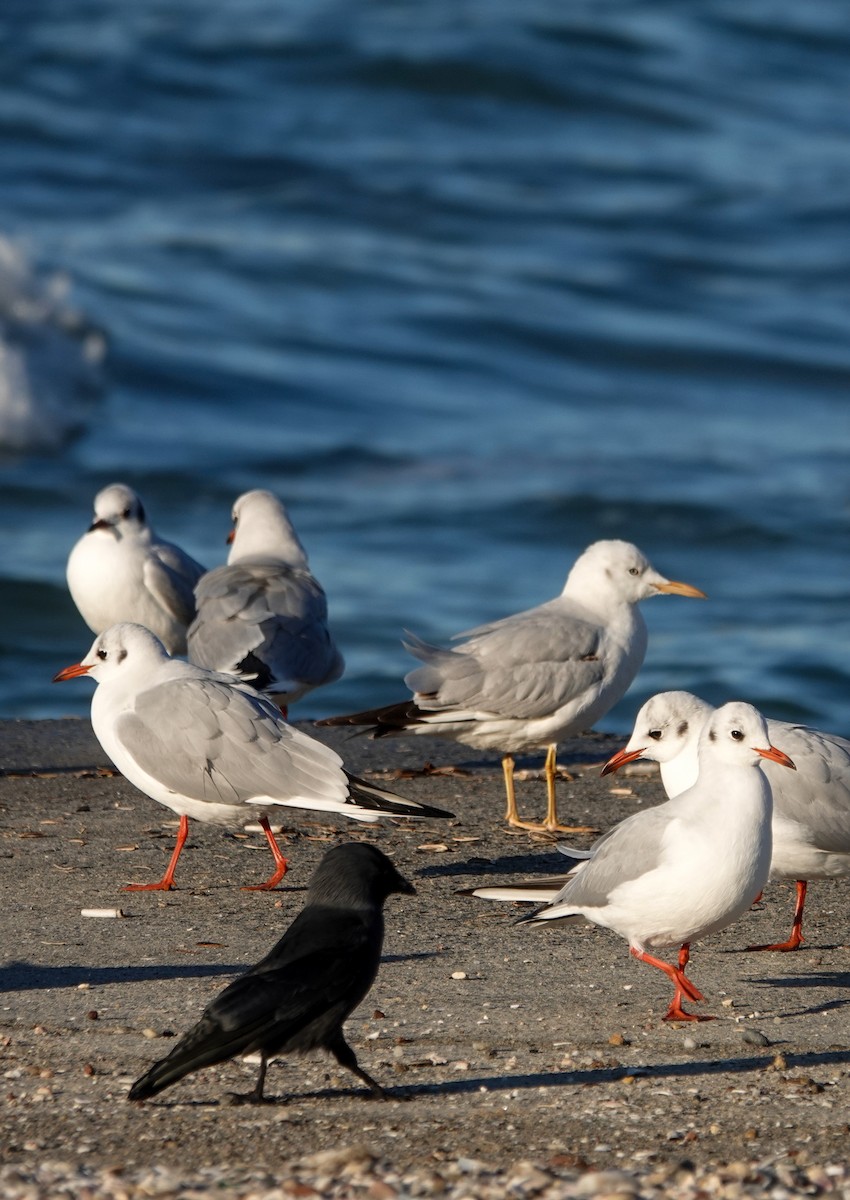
<point x="524" y="666"/>
<point x="266" y="620"/>
<point x="629" y="850"/>
<point x="817" y="796"/>
<point x="216" y="742"/>
<point x="170" y="575"/>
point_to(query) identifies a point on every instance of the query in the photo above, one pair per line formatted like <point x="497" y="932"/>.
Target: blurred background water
<point x="469" y="284"/>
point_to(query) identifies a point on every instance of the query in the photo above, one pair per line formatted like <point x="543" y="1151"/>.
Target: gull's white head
<point x="119" y="651"/>
<point x="669" y="724"/>
<point x="737" y="733"/>
<point x="618" y="570"/>
<point x="262" y="530"/>
<point x="118" y="511"/>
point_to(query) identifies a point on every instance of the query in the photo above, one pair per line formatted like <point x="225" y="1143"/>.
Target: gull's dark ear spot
<point x="683" y="729"/>
<point x="712" y="736"/>
<point x="122" y="654"/>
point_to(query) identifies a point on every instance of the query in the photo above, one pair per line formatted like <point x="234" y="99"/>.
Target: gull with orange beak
<point x="673" y="874"/>
<point x="532" y="679"/>
<point x="811" y="808"/>
<point x="214" y="749"/>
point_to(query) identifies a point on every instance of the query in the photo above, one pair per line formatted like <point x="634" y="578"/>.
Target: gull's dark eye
<point x="737" y="735"/>
<point x="656" y="735"/>
<point x="102" y="655"/>
<point x="634" y="571"/>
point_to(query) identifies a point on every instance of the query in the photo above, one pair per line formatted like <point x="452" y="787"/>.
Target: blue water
<point x="470" y="285"/>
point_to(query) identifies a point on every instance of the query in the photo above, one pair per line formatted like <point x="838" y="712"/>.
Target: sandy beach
<point x="529" y="1061"/>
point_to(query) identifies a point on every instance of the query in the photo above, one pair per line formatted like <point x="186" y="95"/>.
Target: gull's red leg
<point x="796" y="937"/>
<point x="167" y="882"/>
<point x="684" y="988"/>
<point x="280" y="862"/>
<point x="675" y="1012"/>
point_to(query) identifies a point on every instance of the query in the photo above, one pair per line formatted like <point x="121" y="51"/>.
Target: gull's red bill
<point x="621" y="758"/>
<point x="778" y="756"/>
<point x="71" y="672"/>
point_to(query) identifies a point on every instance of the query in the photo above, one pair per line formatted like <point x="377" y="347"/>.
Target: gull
<point x="811" y="808"/>
<point x="263" y="615"/>
<point x="672" y="874"/>
<point x="298" y="997"/>
<point x="212" y="748"/>
<point x="120" y="570"/>
<point x="537" y="677"/>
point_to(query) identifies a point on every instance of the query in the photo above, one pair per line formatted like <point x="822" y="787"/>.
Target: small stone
<point x="525" y="1176"/>
<point x="605" y="1183"/>
<point x="332" y="1160"/>
<point x="617" y="1039"/>
<point x="92" y="1014"/>
<point x="459" y="975"/>
<point x="755" y="1037"/>
<point x="149" y="1033"/>
<point x="379" y="1190"/>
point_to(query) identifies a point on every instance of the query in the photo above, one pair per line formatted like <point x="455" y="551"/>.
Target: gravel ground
<point x="520" y="1061"/>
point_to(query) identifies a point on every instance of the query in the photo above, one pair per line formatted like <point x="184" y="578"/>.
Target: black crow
<point x="297" y="998"/>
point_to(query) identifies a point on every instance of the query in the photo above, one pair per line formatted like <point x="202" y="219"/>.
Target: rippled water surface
<point x="469" y="285"/>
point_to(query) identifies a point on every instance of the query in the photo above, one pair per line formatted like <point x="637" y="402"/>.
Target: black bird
<point x="297" y="998"/>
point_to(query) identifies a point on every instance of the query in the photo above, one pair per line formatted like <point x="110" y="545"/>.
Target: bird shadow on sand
<point x="554" y="1079"/>
<point x="807" y="946"/>
<point x="412" y="957"/>
<point x="528" y="865"/>
<point x="835" y="980"/>
<point x="687" y="1070"/>
<point x="22" y="976"/>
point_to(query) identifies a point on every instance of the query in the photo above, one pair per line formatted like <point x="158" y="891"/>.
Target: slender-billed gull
<point x="120" y="570"/>
<point x="672" y="874"/>
<point x="811" y="808"/>
<point x="214" y="749"/>
<point x="263" y="616"/>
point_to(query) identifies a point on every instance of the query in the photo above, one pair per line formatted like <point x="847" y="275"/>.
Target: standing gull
<point x="811" y="808"/>
<point x="298" y="997"/>
<point x="534" y="678"/>
<point x="263" y="616"/>
<point x="120" y="570"/>
<point x="670" y="875"/>
<point x="211" y="748"/>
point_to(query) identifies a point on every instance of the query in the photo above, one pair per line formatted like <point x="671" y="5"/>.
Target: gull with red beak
<point x="811" y="808"/>
<point x="537" y="677"/>
<point x="263" y="616"/>
<point x="120" y="570"/>
<point x="673" y="874"/>
<point x="213" y="749"/>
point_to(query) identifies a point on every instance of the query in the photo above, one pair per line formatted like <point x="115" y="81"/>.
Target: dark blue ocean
<point x="469" y="285"/>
